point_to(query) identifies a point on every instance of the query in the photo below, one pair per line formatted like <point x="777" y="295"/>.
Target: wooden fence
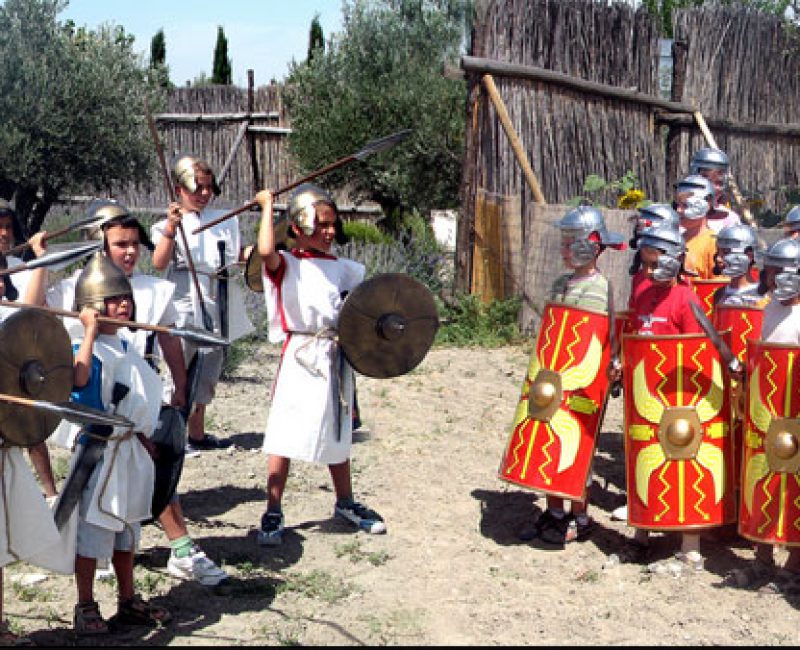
<point x="578" y="80"/>
<point x="241" y="132"/>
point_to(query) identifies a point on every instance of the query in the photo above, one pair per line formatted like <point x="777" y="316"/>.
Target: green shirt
<point x="590" y="292"/>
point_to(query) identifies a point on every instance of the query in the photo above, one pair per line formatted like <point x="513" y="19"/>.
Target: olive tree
<point x="381" y="74"/>
<point x="71" y="109"/>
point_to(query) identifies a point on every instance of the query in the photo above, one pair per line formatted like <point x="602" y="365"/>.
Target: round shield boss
<point x="35" y="364"/>
<point x="387" y="325"/>
<point x="252" y="271"/>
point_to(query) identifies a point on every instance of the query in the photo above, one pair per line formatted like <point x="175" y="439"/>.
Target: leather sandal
<point x="87" y="620"/>
<point x="137" y="611"/>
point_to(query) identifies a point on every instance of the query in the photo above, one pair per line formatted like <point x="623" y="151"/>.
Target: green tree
<point x="316" y="39"/>
<point x="70" y="109"/>
<point x="222" y="71"/>
<point x="663" y="8"/>
<point x="383" y="73"/>
<point x="158" y="59"/>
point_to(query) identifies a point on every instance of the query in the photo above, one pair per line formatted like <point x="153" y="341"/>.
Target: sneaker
<point x="206" y="443"/>
<point x="196" y="566"/>
<point x="271" y="533"/>
<point x="358" y="514"/>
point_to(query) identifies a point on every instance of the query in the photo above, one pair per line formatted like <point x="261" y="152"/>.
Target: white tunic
<point x="781" y="323"/>
<point x="26" y="521"/>
<point x="29" y="524"/>
<point x="302" y="422"/>
<point x="205" y="255"/>
<point x="124" y="491"/>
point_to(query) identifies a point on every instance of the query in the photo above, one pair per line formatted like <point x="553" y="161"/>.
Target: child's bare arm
<point x="266" y="232"/>
<point x="82" y="364"/>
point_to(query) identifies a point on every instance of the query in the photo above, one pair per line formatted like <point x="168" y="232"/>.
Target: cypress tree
<point x="222" y="72"/>
<point x="316" y="40"/>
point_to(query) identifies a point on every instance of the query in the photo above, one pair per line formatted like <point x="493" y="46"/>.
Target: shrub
<point x="365" y="232"/>
<point x="467" y="321"/>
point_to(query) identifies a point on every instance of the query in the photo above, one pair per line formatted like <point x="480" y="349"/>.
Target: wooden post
<point x="737" y="195"/>
<point x="257" y="182"/>
<point x="673" y="143"/>
<point x="516" y="144"/>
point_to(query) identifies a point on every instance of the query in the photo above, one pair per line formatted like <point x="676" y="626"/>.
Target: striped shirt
<point x="588" y="292"/>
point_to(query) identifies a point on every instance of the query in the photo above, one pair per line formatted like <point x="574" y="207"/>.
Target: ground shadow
<point x="247" y="440"/>
<point x="198" y="505"/>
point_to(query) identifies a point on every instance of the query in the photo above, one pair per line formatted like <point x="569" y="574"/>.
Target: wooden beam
<point x="500" y="69"/>
<point x="747" y="128"/>
<point x="276" y="130"/>
<point x="214" y="117"/>
<point x="511" y="132"/>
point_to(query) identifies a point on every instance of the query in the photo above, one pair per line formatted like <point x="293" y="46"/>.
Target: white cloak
<point x="124" y="491"/>
<point x="29" y="528"/>
<point x="302" y="418"/>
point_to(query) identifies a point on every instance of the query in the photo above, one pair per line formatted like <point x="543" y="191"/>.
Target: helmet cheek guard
<point x="735" y="265"/>
<point x="787" y="286"/>
<point x="667" y="268"/>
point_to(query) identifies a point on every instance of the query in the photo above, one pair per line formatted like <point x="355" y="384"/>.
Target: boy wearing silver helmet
<point x="694" y="196"/>
<point x="735" y="258"/>
<point x="584" y="237"/>
<point x="713" y="164"/>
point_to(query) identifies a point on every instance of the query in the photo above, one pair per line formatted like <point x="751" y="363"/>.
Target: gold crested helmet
<point x="100" y="279"/>
<point x="110" y="213"/>
<point x="302" y="212"/>
<point x="185" y="172"/>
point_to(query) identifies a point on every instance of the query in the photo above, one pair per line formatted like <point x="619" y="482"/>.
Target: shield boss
<point x="35" y="363"/>
<point x="387" y="325"/>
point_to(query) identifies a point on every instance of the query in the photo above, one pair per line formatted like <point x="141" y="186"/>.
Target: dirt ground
<point x="451" y="569"/>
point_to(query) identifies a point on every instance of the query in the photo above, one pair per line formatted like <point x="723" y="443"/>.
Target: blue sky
<point x="263" y="35"/>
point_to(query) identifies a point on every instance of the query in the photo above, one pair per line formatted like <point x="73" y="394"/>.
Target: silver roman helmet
<point x="701" y="191"/>
<point x="578" y="225"/>
<point x="301" y="211"/>
<point x="100" y="279"/>
<point x="784" y="255"/>
<point x="709" y="158"/>
<point x="792" y="221"/>
<point x="185" y="170"/>
<point x="656" y="214"/>
<point x="737" y="240"/>
<point x="669" y="241"/>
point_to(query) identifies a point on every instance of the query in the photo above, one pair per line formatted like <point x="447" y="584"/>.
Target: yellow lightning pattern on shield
<point x="709" y="457"/>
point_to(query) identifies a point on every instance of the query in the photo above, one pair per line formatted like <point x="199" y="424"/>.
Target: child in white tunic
<point x="27" y="529"/>
<point x="310" y="417"/>
<point x="119" y="493"/>
<point x="196" y="187"/>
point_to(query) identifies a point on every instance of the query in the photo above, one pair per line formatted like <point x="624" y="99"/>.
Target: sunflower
<point x="630" y="199"/>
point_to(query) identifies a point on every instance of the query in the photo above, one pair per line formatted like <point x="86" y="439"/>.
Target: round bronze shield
<point x="387" y="325"/>
<point x="35" y="363"/>
<point x="252" y="271"/>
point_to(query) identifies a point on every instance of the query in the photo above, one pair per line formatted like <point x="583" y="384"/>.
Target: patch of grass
<point x="353" y="551"/>
<point x="32" y="593"/>
<point x="148" y="582"/>
<point x="319" y="585"/>
<point x="60" y="468"/>
<point x="466" y="321"/>
<point x="589" y="576"/>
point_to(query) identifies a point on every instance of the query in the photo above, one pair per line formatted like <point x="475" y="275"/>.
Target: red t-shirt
<point x="663" y="310"/>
